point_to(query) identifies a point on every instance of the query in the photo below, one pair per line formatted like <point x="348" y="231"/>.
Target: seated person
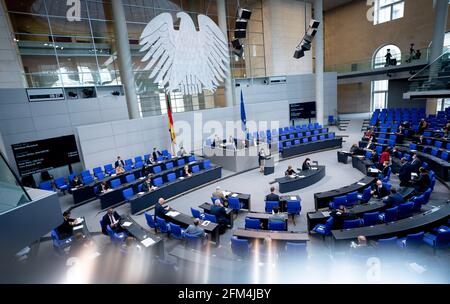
<point x="182" y="152"/>
<point x="277" y="216"/>
<point x="340" y="215"/>
<point x="424" y="182"/>
<point x="361" y="247"/>
<point x="76" y="182"/>
<point x="374" y="158"/>
<point x="150" y="161"/>
<point x="446" y="130"/>
<point x="102" y="188"/>
<point x="384" y="170"/>
<point x="65" y="230"/>
<point x="404" y="173"/>
<point x="186" y="171"/>
<point x="120" y="170"/>
<point x="156" y="154"/>
<point x="368" y="134"/>
<point x="394" y="199"/>
<point x="218" y="194"/>
<point x="111" y="218"/>
<point x="147" y="184"/>
<point x="370" y="146"/>
<point x="289" y="171"/>
<point x="379" y="190"/>
<point x="355" y="150"/>
<point x="306" y="165"/>
<point x="272" y="197"/>
<point x="396" y="153"/>
<point x="415" y="163"/>
<point x="221" y="215"/>
<point x="160" y="211"/>
<point x="119" y="162"/>
<point x="195" y="229"/>
<point x="421" y="140"/>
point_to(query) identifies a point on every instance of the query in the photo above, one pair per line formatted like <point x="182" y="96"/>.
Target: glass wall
<point x="59" y="50"/>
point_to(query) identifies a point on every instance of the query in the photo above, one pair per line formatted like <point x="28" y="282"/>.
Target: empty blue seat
<point x="175" y="231"/>
<point x="277" y="226"/>
<point x="87" y="179"/>
<point x="97" y="171"/>
<point x="444" y="156"/>
<point x="128" y="193"/>
<point x="128" y="162"/>
<point x="283" y="138"/>
<point x="294" y="207"/>
<point x="314" y="138"/>
<point x="305" y="140"/>
<point x="240" y="247"/>
<point x="138" y="159"/>
<point x="252" y="223"/>
<point x="308" y="133"/>
<point x="115" y="183"/>
<point x="85" y="173"/>
<point x="234" y="203"/>
<point x="387" y="244"/>
<point x="180" y="162"/>
<point x="352" y="198"/>
<point x="349" y="224"/>
<point x="438" y="241"/>
<point x="366" y="195"/>
<point x="171" y="177"/>
<point x="338" y="201"/>
<point x="195" y="213"/>
<point x="331" y="135"/>
<point x="150" y="220"/>
<point x="270" y="205"/>
<point x="206" y="164"/>
<point x="109" y="169"/>
<point x="158" y="181"/>
<point x="130" y="178"/>
<point x="61" y="184"/>
<point x="128" y="167"/>
<point x="288" y="144"/>
<point x="405" y="210"/>
<point x="169" y="165"/>
<point x="371" y="218"/>
<point x="162" y="225"/>
<point x="438" y="144"/>
<point x="321" y="137"/>
<point x="296" y="142"/>
<point x="139" y="165"/>
<point x="47" y="185"/>
<point x="157" y="169"/>
<point x="114" y="236"/>
<point x="324" y="229"/>
<point x="191" y="159"/>
<point x="412" y="240"/>
<point x="101" y="176"/>
<point x="195" y="169"/>
<point x="434" y="152"/>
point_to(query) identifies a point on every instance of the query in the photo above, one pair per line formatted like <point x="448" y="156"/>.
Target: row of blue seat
<point x="436" y="152"/>
<point x="294" y="142"/>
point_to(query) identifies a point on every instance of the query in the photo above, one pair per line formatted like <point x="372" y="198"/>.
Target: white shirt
<point x="113" y="220"/>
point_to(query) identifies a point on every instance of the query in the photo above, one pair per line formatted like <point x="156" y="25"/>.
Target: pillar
<point x="124" y="57"/>
<point x="222" y="18"/>
<point x="318" y="15"/>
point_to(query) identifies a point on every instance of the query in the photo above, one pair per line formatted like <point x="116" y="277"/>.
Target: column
<point x="124" y="57"/>
<point x="222" y="17"/>
<point x="440" y="25"/>
<point x="318" y="15"/>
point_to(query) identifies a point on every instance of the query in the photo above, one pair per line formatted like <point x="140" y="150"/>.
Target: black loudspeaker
<point x="241" y="24"/>
<point x="299" y="53"/>
<point x="244" y="13"/>
<point x="314" y="24"/>
<point x="240" y="34"/>
<point x="306" y="46"/>
<point x="236" y="44"/>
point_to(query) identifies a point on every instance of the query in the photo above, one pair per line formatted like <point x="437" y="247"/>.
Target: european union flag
<point x="243" y="116"/>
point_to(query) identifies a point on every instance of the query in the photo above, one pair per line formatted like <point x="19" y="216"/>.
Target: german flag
<point x="171" y="128"/>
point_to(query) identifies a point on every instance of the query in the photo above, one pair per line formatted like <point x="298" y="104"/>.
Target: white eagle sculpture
<point x="186" y="60"/>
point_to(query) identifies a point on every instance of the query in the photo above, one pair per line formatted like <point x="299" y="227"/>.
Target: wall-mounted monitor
<point x="41" y="155"/>
<point x="302" y="110"/>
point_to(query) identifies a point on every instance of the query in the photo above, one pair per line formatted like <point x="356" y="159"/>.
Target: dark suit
<point x="423" y="183"/>
<point x="393" y="200"/>
<point x="156" y="154"/>
<point x="339" y="217"/>
<point x="107" y="221"/>
<point x="289" y="172"/>
<point x="415" y="165"/>
<point x="306" y="167"/>
<point x="65" y="230"/>
<point x="146" y="187"/>
<point x="76" y="183"/>
<point x="404" y="174"/>
<point x="221" y="215"/>
<point x="119" y="163"/>
<point x="357" y="151"/>
<point x="160" y="211"/>
<point x="272" y="197"/>
<point x="381" y="192"/>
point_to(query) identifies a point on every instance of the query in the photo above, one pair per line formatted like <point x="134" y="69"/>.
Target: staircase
<point x="365" y="125"/>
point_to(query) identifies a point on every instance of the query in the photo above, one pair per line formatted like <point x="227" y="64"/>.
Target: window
<point x="380" y="59"/>
<point x="379" y="94"/>
<point x="387" y="10"/>
<point x="442" y="104"/>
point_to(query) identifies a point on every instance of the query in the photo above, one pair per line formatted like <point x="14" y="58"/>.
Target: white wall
<point x="23" y="121"/>
<point x="284" y="27"/>
<point x="11" y="75"/>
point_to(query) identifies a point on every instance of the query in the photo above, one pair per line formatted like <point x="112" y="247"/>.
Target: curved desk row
<point x="419" y="222"/>
<point x="322" y="199"/>
<point x="282" y="236"/>
<point x="141" y="202"/>
<point x="320" y="217"/>
<point x="302" y="180"/>
<point x="362" y="164"/>
<point x="311" y="147"/>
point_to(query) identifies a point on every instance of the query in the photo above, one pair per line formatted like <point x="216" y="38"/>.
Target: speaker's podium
<point x="269" y="167"/>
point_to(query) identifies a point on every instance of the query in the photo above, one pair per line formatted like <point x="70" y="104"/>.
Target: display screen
<point x="37" y="156"/>
<point x="302" y="110"/>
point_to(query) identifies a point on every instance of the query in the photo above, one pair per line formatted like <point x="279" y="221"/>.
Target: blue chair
<point x="115" y="183"/>
<point x="181" y="162"/>
<point x="162" y="225"/>
<point x="252" y="223"/>
<point x="418" y="202"/>
<point x="352" y="198"/>
<point x="171" y="177"/>
<point x="85" y="173"/>
<point x="61" y="184"/>
<point x="206" y="164"/>
<point x="150" y="220"/>
<point x="97" y="171"/>
<point x="109" y="169"/>
<point x="314" y="138"/>
<point x="128" y="168"/>
<point x="412" y="240"/>
<point x="138" y="159"/>
<point x="305" y="140"/>
<point x="191" y="158"/>
<point x="296" y="249"/>
<point x="339" y="200"/>
<point x="87" y="179"/>
<point x="47" y="185"/>
<point x="352" y="224"/>
<point x="100" y="176"/>
<point x="387" y="186"/>
<point x="434" y="152"/>
<point x="427" y="195"/>
<point x="270" y="205"/>
<point x="158" y="181"/>
<point x="439" y="241"/>
<point x="324" y="229"/>
<point x="444" y="156"/>
<point x="175" y="231"/>
<point x="371" y="218"/>
<point x="322" y="137"/>
<point x="240" y="247"/>
<point x="192" y="241"/>
<point x="127" y="193"/>
<point x="405" y="210"/>
<point x="114" y="236"/>
<point x="296" y="142"/>
<point x="438" y="144"/>
<point x="234" y="203"/>
<point x="60" y="244"/>
<point x="128" y="162"/>
<point x="139" y="165"/>
<point x="169" y="165"/>
<point x="157" y="169"/>
<point x="130" y="178"/>
<point x="387" y="244"/>
<point x="365" y="196"/>
<point x="331" y="135"/>
<point x="195" y="213"/>
<point x="195" y="169"/>
<point x="389" y="215"/>
<point x="277" y="226"/>
<point x="210" y="217"/>
<point x="294" y="208"/>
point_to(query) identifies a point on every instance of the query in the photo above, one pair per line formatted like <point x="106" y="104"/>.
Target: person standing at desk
<point x="221" y="215"/>
<point x="261" y="158"/>
<point x="289" y="171"/>
<point x="384" y="157"/>
<point x="415" y="163"/>
<point x="160" y="211"/>
<point x="404" y="173"/>
<point x="119" y="162"/>
<point x="156" y="154"/>
<point x="111" y="219"/>
<point x="186" y="171"/>
<point x="65" y="230"/>
<point x="380" y="190"/>
<point x="384" y="171"/>
<point x="423" y="125"/>
<point x="306" y="166"/>
<point x="272" y="197"/>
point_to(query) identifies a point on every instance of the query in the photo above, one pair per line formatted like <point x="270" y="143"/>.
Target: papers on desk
<point x="300" y="176"/>
<point x="293" y="176"/>
<point x="127" y="224"/>
<point x="345" y="152"/>
<point x="414" y="174"/>
<point x="73" y="189"/>
<point x="373" y="170"/>
<point x="234" y="195"/>
<point x="326" y="213"/>
<point x="141" y="193"/>
<point x="78" y="220"/>
<point x="147" y="242"/>
<point x="141" y="178"/>
<point x="172" y="213"/>
<point x="361" y="184"/>
<point x="181" y="177"/>
<point x="417" y="268"/>
<point x="114" y="174"/>
<point x="293" y="198"/>
<point x="205" y="223"/>
<point x="314" y="168"/>
<point x="226" y="193"/>
<point x="78" y="227"/>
